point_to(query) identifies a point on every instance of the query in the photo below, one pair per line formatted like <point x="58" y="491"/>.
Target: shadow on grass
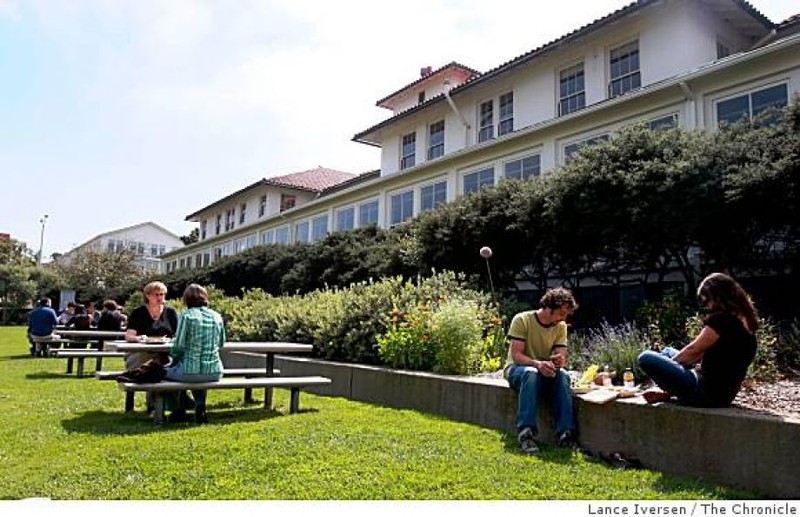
<point x="18" y="357"/>
<point x="54" y="375"/>
<point x="139" y="423"/>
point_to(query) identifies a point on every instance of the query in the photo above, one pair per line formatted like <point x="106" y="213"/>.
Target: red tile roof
<point x="315" y="180"/>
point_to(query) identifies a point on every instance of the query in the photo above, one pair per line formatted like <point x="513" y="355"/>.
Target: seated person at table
<point x="65" y="316"/>
<point x="195" y="350"/>
<point x="723" y="349"/>
<point x="153" y="319"/>
<point x="110" y="317"/>
<point x="94" y="316"/>
<point x="41" y="322"/>
<point x="80" y="320"/>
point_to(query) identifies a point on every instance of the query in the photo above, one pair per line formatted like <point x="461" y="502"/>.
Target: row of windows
<point x="140" y="248"/>
<point x="287" y="201"/>
<point x="624" y="74"/>
<point x="401" y="204"/>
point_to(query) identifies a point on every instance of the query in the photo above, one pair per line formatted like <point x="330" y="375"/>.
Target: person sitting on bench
<point x="195" y="351"/>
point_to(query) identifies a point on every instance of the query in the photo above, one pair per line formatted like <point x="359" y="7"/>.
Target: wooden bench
<point x="226" y="372"/>
<point x="81" y="355"/>
<point x="292" y="383"/>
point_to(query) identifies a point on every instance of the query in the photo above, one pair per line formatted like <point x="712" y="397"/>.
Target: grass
<point x="67" y="438"/>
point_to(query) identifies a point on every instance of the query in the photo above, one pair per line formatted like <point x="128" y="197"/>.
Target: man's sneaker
<point x="566" y="440"/>
<point x="526" y="443"/>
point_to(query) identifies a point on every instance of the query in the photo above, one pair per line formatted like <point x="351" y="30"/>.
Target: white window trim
<point x="732" y="93"/>
<point x="558" y="73"/>
<point x="612" y="48"/>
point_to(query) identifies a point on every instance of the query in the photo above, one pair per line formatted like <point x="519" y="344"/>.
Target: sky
<point x="117" y="112"/>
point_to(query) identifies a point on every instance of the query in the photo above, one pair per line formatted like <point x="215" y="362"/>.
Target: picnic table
<point x="269" y="349"/>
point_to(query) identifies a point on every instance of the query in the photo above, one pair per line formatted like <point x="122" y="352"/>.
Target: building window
<point x="219" y="224"/>
<point x="262" y="206"/>
<point x="267" y="237"/>
<point x="572" y="90"/>
<point x="436" y="140"/>
<point x="252" y="240"/>
<point x="242" y="213"/>
<point x="368" y="213"/>
<point x="478" y="180"/>
<point x="624" y="69"/>
<point x="345" y="219"/>
<point x="301" y="232"/>
<point x="153" y="250"/>
<point x="198" y="260"/>
<point x="183" y="263"/>
<point x="217" y="253"/>
<point x="486" y="121"/>
<point x="287" y="201"/>
<point x="523" y="168"/>
<point x="230" y="219"/>
<point x="666" y="122"/>
<point x="506" y="124"/>
<point x="203" y="228"/>
<point x="408" y="152"/>
<point x="421" y="97"/>
<point x="319" y="228"/>
<point x="282" y="235"/>
<point x="751" y="104"/>
<point x="206" y="259"/>
<point x="432" y="196"/>
<point x="574" y="147"/>
<point x="402" y="207"/>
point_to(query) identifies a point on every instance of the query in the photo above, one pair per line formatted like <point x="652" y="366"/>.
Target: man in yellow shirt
<point x="537" y="352"/>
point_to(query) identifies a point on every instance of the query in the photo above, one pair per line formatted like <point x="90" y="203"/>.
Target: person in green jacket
<point x="195" y="351"/>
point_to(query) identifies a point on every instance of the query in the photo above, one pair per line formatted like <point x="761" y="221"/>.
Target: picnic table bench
<point x="71" y="354"/>
<point x="226" y="372"/>
<point x="158" y="389"/>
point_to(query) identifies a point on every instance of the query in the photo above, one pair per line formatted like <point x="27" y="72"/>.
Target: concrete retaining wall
<point x="728" y="446"/>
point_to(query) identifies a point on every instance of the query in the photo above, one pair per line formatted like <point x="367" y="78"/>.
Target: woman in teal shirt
<point x="195" y="350"/>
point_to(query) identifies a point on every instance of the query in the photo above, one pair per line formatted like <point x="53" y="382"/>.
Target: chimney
<point x="425" y="71"/>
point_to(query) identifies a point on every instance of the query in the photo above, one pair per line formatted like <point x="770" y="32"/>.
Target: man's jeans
<point x="530" y="385"/>
<point x="669" y="375"/>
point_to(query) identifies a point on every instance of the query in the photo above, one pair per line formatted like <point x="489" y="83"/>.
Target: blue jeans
<point x="175" y="372"/>
<point x="670" y="375"/>
<point x="530" y="386"/>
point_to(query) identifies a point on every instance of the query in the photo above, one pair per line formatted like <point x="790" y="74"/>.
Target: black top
<point x="80" y="322"/>
<point x="110" y="320"/>
<point x="725" y="363"/>
<point x="144" y="325"/>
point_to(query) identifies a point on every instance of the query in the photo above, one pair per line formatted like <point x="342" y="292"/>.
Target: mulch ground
<point x="781" y="398"/>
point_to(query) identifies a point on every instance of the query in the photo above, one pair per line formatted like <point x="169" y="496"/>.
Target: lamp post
<point x="486" y="253"/>
<point x="42" y="221"/>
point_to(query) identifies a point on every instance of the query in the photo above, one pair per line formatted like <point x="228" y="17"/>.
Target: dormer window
<point x="287" y="202"/>
<point x="506" y="124"/>
<point x="436" y="140"/>
<point x="421" y="97"/>
<point x="486" y="121"/>
<point x="624" y="69"/>
<point x="408" y="151"/>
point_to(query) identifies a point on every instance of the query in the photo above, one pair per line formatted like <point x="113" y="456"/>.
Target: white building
<point x="148" y="240"/>
<point x="694" y="63"/>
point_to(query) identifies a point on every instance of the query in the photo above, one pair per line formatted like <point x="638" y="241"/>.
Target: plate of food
<point x="160" y="340"/>
<point x="581" y="389"/>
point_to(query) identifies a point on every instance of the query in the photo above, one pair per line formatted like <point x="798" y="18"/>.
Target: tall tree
<point x="98" y="275"/>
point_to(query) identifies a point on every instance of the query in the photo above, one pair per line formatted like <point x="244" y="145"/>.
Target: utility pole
<point x="42" y="221"/>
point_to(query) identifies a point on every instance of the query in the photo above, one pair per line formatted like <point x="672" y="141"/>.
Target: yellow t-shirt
<point x="539" y="340"/>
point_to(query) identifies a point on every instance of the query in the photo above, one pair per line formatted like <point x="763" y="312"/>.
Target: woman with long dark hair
<point x="723" y="350"/>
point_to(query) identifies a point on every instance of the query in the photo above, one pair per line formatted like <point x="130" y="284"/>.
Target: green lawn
<point x="68" y="438"/>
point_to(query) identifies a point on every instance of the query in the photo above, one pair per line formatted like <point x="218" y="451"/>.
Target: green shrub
<point x="408" y="342"/>
<point x="665" y="319"/>
<point x="787" y="353"/>
<point x="456" y="332"/>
